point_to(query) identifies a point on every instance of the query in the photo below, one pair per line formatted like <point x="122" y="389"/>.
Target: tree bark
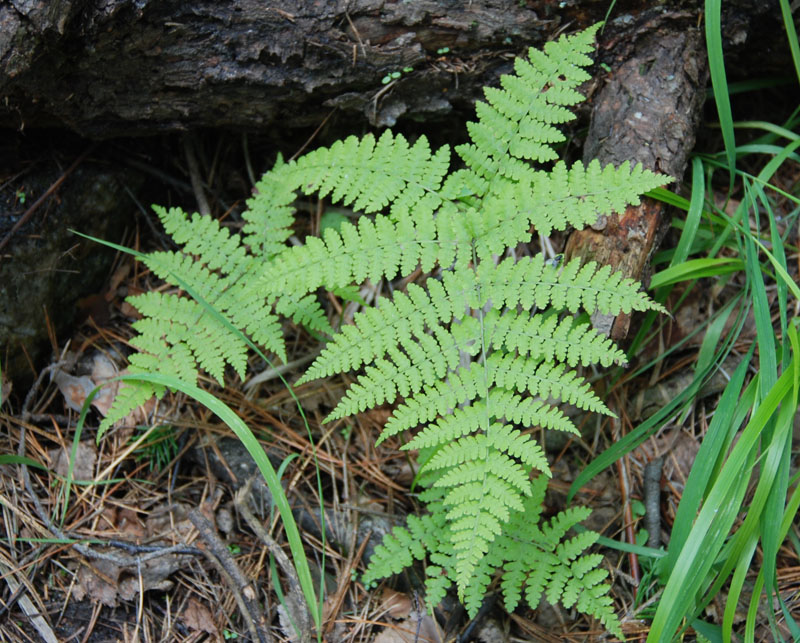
<point x="135" y="67"/>
<point x="647" y="112"/>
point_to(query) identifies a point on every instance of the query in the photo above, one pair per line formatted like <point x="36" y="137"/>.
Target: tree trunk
<point x="134" y="67"/>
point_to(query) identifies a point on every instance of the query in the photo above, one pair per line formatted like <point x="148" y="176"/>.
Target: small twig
<point x="243" y="589"/>
<point x="358" y="37"/>
<point x="313" y="135"/>
<point x="194" y="175"/>
<point x="26" y="414"/>
<point x="627" y="512"/>
<point x="652" y="501"/>
<point x="241" y="502"/>
<point x="247" y="162"/>
<point x="272" y="373"/>
<point x="153" y="551"/>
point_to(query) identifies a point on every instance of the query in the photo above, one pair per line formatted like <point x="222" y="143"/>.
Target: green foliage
<point x="480" y="351"/>
<point x="178" y="335"/>
<point x="483" y="349"/>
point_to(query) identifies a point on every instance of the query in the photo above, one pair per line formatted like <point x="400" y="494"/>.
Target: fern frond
<point x="131" y="395"/>
<point x="376" y="330"/>
<point x="526" y="412"/>
<point x="578" y="196"/>
<point x="177" y="326"/>
<point x="204" y="237"/>
<point x="517" y="122"/>
<point x="426" y="360"/>
<point x="530" y="282"/>
<point x="372" y="249"/>
<point x="231" y="297"/>
<point x="549" y="338"/>
<point x="403" y="545"/>
<point x="541" y="561"/>
<point x="545" y="379"/>
<point x="369" y="175"/>
<point x="458" y="388"/>
<point x="180" y="335"/>
<point x="270" y="215"/>
<point x="304" y="311"/>
<point x="480" y="350"/>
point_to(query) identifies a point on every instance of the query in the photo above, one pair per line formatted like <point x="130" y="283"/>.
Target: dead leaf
<point x="155" y="576"/>
<point x="169" y="522"/>
<point x="396" y="604"/>
<point x="130" y="527"/>
<point x="74" y="389"/>
<point x="97" y="583"/>
<point x="198" y="617"/>
<point x="405" y="631"/>
<point x="129" y="311"/>
<point x="119" y="275"/>
<point x="104" y="581"/>
<point x="103" y="369"/>
<point x="85" y="458"/>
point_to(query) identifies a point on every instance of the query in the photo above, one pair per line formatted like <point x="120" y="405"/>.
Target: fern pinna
<point x="178" y="334"/>
<point x="479" y="352"/>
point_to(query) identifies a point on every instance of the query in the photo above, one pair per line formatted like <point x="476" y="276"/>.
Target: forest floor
<point x="153" y="508"/>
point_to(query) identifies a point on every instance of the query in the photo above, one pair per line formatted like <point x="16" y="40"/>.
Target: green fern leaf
<point x="578" y="196"/>
<point x="270" y="215"/>
<point x="517" y="122"/>
<point x="370" y="175"/>
<point x="549" y="338"/>
<point x="372" y="249"/>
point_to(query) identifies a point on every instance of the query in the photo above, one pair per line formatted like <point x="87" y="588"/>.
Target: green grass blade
<point x="693" y="215"/>
<point x="713" y="524"/>
<point x="720" y="432"/>
<point x="791" y="34"/>
<point x="719" y="80"/>
<point x="767" y="127"/>
<point x="696" y="269"/>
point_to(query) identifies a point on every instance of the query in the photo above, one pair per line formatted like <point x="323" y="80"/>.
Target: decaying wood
<point x="136" y="67"/>
<point x="647" y="112"/>
<point x="125" y="67"/>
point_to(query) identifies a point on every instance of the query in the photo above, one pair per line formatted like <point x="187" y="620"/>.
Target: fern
<point x="179" y="335"/>
<point x="513" y="320"/>
<point x="482" y="350"/>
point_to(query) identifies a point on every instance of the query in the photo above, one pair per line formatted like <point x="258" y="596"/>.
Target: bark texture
<point x="112" y="68"/>
<point x="135" y="67"/>
<point x="647" y="112"/>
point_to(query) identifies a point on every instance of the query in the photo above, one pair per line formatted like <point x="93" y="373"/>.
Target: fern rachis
<point x="515" y="319"/>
